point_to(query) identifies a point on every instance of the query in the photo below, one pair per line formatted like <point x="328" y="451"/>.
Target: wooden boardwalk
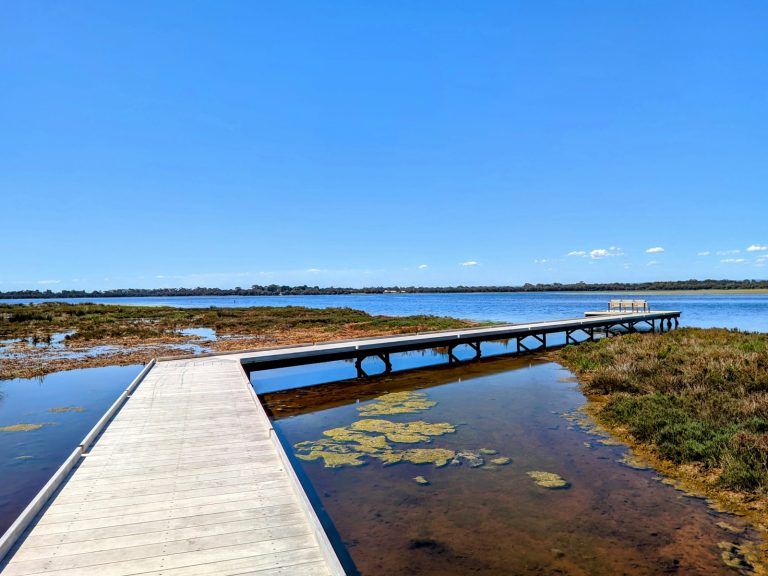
<point x="188" y="479"/>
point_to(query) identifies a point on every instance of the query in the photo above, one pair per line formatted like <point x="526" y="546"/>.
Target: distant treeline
<point x="277" y="290"/>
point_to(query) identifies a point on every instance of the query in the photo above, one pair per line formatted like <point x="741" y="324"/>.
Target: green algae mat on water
<point x="375" y="438"/>
<point x="21" y="427"/>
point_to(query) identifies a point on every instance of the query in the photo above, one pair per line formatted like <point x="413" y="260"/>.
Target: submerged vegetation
<point x="37" y="339"/>
<point x="695" y="399"/>
<point x="375" y="438"/>
<point x="21" y="427"/>
<point x="548" y="480"/>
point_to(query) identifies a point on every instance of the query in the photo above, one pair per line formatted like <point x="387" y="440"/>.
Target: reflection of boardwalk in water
<point x="187" y="479"/>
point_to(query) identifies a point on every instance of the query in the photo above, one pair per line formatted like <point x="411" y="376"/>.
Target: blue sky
<point x="183" y="143"/>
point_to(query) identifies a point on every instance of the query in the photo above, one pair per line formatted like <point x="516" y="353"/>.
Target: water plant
<point x="21" y="427"/>
<point x="378" y="439"/>
<point x="501" y="461"/>
<point x="404" y="432"/>
<point x="548" y="480"/>
<point x="397" y="403"/>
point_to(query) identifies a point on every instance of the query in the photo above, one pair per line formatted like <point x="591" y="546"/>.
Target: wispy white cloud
<point x="540" y="261"/>
<point x="599" y="253"/>
<point x="423" y="266"/>
<point x="727" y="252"/>
<point x="314" y="270"/>
<point x="757" y="248"/>
<point x="469" y="263"/>
<point x="577" y="253"/>
<point x="652" y="263"/>
<point x="704" y="253"/>
<point x="655" y="250"/>
<point x="732" y="260"/>
<point x="49" y="281"/>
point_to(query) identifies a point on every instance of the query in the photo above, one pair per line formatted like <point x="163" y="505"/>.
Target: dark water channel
<point x="42" y="420"/>
<point x="469" y="518"/>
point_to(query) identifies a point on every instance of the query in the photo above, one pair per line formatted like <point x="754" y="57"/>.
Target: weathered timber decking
<point x="189" y="479"/>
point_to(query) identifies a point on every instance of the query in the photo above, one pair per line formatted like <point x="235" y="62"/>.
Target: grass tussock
<point x="692" y="396"/>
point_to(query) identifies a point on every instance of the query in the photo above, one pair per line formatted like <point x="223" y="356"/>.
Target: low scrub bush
<point x="691" y="395"/>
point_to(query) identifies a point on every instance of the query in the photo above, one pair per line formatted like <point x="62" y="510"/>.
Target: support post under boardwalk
<point x="359" y="367"/>
<point x="387" y="363"/>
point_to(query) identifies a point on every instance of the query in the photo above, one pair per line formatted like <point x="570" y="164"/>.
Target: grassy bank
<point x="134" y="334"/>
<point x="694" y="400"/>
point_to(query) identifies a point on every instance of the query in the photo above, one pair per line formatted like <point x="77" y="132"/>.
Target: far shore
<point x="645" y="292"/>
<point x="659" y="287"/>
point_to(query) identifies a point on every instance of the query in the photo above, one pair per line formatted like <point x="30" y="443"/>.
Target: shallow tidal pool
<point x="509" y="482"/>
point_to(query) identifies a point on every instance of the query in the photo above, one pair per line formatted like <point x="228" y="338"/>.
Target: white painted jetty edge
<point x="14" y="532"/>
<point x="323" y="541"/>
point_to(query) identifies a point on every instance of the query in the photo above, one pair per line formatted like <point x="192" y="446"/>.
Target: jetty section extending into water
<point x="185" y="476"/>
<point x="528" y="337"/>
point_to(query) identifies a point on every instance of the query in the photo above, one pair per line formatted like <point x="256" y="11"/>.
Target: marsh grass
<point x="102" y="321"/>
<point x="107" y="335"/>
<point x="692" y="396"/>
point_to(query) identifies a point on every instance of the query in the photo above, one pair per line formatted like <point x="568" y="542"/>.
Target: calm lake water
<point x="29" y="458"/>
<point x="494" y="519"/>
<point x="744" y="311"/>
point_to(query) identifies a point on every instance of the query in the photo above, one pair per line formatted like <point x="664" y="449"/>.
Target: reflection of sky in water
<point x="27" y="459"/>
<point x="204" y="333"/>
<point x="59" y="349"/>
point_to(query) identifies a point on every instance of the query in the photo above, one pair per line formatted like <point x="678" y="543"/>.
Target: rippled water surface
<point x="613" y="519"/>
